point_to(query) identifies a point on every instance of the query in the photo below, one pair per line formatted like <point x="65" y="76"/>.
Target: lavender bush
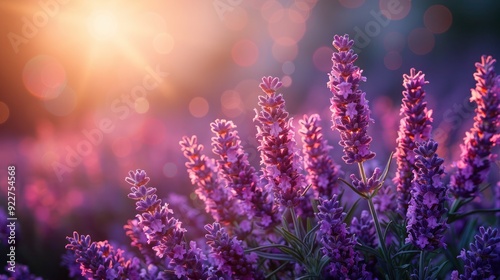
<point x="291" y="219"/>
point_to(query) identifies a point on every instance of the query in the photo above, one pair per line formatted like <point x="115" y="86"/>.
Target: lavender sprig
<point x="99" y="260"/>
<point x="279" y="155"/>
<point x="219" y="201"/>
<point x="350" y="111"/>
<point x="475" y="160"/>
<point x="415" y="127"/>
<point x="426" y="224"/>
<point x="338" y="243"/>
<point x="165" y="231"/>
<point x="322" y="172"/>
<point x="240" y="175"/>
<point x="229" y="256"/>
<point x="479" y="259"/>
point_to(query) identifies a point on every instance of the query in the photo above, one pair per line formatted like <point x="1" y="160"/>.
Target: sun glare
<point x="102" y="25"/>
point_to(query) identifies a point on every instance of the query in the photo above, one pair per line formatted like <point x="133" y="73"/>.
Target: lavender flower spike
<point x="239" y="174"/>
<point x="279" y="154"/>
<point x="350" y="111"/>
<point x="476" y="157"/>
<point x="338" y="243"/>
<point x="323" y="173"/>
<point x="229" y="256"/>
<point x="415" y="126"/>
<point x="479" y="259"/>
<point x="426" y="224"/>
<point x="219" y="201"/>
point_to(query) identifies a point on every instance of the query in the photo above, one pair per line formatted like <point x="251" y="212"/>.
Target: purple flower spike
<point x="240" y="175"/>
<point x="475" y="160"/>
<point x="323" y="173"/>
<point x="364" y="229"/>
<point x="338" y="243"/>
<point x="228" y="254"/>
<point x="479" y="259"/>
<point x="219" y="201"/>
<point x="426" y="224"/>
<point x="415" y="126"/>
<point x="279" y="154"/>
<point x="350" y="111"/>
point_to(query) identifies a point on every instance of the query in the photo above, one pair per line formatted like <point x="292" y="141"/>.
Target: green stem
<point x="421" y="265"/>
<point x="296" y="225"/>
<point x="385" y="252"/>
<point x="362" y="171"/>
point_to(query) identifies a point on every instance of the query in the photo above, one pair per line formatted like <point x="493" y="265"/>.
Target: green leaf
<point x="386" y="170"/>
<point x="351" y="211"/>
<point x="407" y="252"/>
<point x="296" y="255"/>
<point x="274" y="256"/>
<point x="264" y="247"/>
<point x="276" y="270"/>
<point x="292" y="239"/>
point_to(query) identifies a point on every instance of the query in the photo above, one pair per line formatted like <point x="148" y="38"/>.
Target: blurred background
<point x="93" y="89"/>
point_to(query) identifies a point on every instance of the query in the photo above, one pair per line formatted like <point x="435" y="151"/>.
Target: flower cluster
<point x="99" y="260"/>
<point x="482" y="260"/>
<point x="350" y="111"/>
<point x="279" y="155"/>
<point x="322" y="172"/>
<point x="219" y="201"/>
<point x="244" y="240"/>
<point x="228" y="254"/>
<point x="338" y="243"/>
<point x="239" y="174"/>
<point x="426" y="224"/>
<point x="415" y="127"/>
<point x="474" y="165"/>
<point x="163" y="230"/>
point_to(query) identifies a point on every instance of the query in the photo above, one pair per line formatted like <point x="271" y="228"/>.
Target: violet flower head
<point x="479" y="259"/>
<point x="475" y="160"/>
<point x="219" y="201"/>
<point x="338" y="243"/>
<point x="373" y="183"/>
<point x="99" y="260"/>
<point x="279" y="154"/>
<point x="164" y="232"/>
<point x="426" y="223"/>
<point x="350" y="111"/>
<point x="364" y="229"/>
<point x="322" y="172"/>
<point x="240" y="175"/>
<point x="228" y="254"/>
<point x="21" y="272"/>
<point x="415" y="126"/>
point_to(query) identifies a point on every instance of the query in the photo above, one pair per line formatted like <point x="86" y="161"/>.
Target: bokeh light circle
<point x="198" y="107"/>
<point x="62" y="105"/>
<point x="4" y="112"/>
<point x="438" y="19"/>
<point x="322" y="59"/>
<point x="286" y="81"/>
<point x="245" y="53"/>
<point x="170" y="170"/>
<point x="395" y="10"/>
<point x="421" y="41"/>
<point x="163" y="43"/>
<point x="393" y="60"/>
<point x="230" y="99"/>
<point x="272" y="11"/>
<point x="141" y="105"/>
<point x="44" y="77"/>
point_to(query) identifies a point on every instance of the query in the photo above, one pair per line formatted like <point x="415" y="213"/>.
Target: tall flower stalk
<point x="475" y="160"/>
<point x="415" y="127"/>
<point x="323" y="172"/>
<point x="279" y="153"/>
<point x="240" y="175"/>
<point x="350" y="111"/>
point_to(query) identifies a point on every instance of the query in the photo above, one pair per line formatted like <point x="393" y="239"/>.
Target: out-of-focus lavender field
<point x="93" y="89"/>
